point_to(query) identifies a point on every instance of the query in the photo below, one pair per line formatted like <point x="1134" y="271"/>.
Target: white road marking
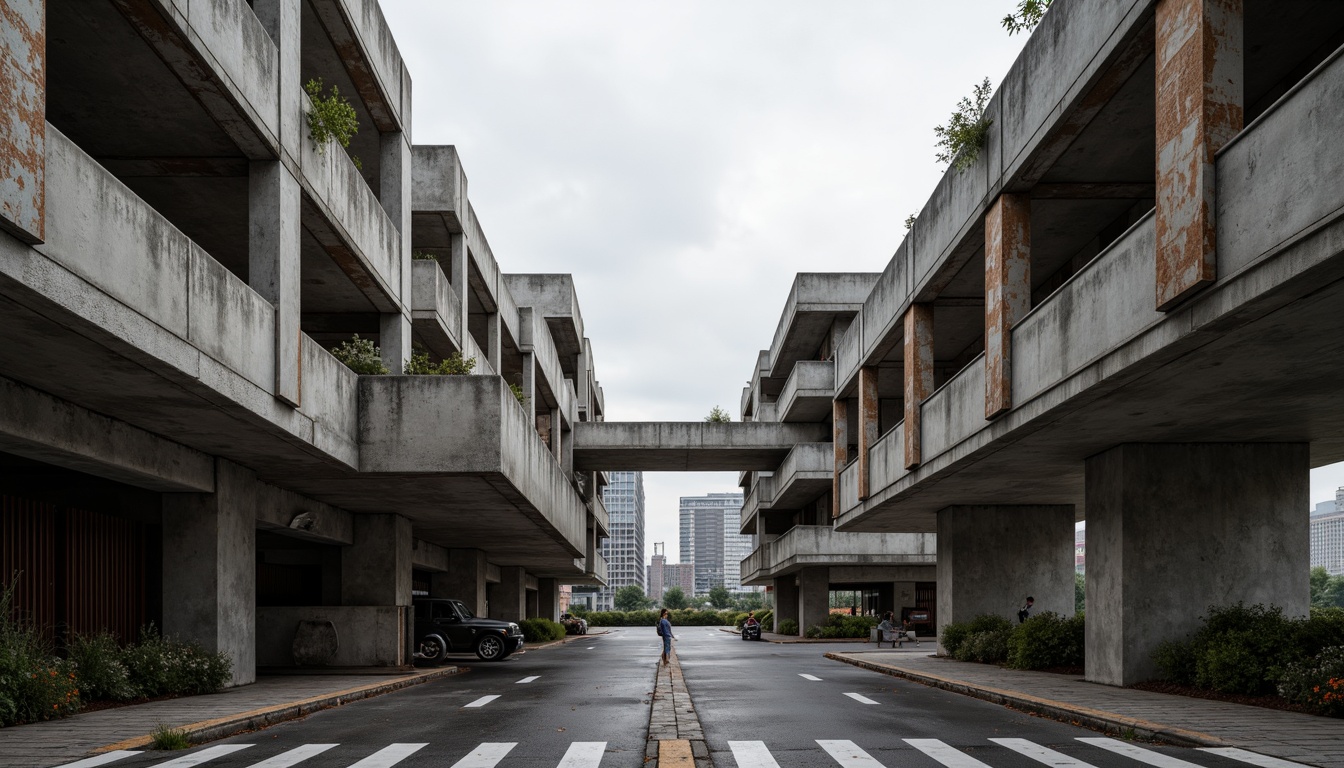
<point x="583" y="754"/>
<point x="591" y="647"/>
<point x="294" y="756"/>
<point x="486" y="755"/>
<point x="103" y="759"/>
<point x="1254" y="758"/>
<point x="861" y="699"/>
<point x="752" y="754"/>
<point x="1041" y="754"/>
<point x="528" y="679"/>
<point x="947" y="755"/>
<point x="813" y="678"/>
<point x="1137" y="753"/>
<point x="390" y="755"/>
<point x="205" y="755"/>
<point x="848" y="754"/>
<point x="481" y="702"/>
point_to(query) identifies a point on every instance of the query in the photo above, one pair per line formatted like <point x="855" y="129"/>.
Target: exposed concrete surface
<point x="804" y="546"/>
<point x="690" y="446"/>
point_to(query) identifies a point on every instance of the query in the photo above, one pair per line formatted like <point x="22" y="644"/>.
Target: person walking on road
<point x="665" y="632"/>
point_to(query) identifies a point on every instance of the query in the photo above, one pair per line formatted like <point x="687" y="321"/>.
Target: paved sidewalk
<point x="1180" y="719"/>
<point x="675" y="738"/>
<point x="268" y="701"/>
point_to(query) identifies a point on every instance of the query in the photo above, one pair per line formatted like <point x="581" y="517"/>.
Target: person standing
<point x="665" y="632"/>
<point x="1025" y="613"/>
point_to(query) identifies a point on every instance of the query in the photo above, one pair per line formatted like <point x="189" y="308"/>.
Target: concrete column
<point x="209" y="568"/>
<point x="840" y="442"/>
<point x="509" y="597"/>
<point x="394" y="171"/>
<point x="494" y="341"/>
<point x="533" y="604"/>
<point x="529" y="384"/>
<point x="282" y="20"/>
<point x="376" y="568"/>
<point x="274" y="235"/>
<point x="557" y="440"/>
<point x="464" y="579"/>
<point x="990" y="558"/>
<point x="868" y="422"/>
<point x="1007" y="292"/>
<point x="23" y="127"/>
<point x="1175" y="528"/>
<point x="394" y="339"/>
<point x="1200" y="107"/>
<point x="918" y="376"/>
<point x="548" y="599"/>
<point x="814" y="597"/>
<point x="459" y="264"/>
<point x="786" y="601"/>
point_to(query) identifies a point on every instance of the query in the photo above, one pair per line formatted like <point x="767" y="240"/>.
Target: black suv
<point x="444" y="626"/>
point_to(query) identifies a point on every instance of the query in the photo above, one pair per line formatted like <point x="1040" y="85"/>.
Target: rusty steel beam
<point x="1007" y="293"/>
<point x="23" y="121"/>
<point x="868" y="423"/>
<point x="840" y="441"/>
<point x="918" y="375"/>
<point x="1200" y="107"/>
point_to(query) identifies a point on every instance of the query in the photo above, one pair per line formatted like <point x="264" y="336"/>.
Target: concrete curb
<point x="221" y="727"/>
<point x="1101" y="720"/>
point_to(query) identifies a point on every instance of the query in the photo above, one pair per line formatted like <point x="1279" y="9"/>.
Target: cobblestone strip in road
<point x="675" y="737"/>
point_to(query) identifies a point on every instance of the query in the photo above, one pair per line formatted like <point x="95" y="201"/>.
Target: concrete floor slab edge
<point x="1107" y="722"/>
<point x="263" y="717"/>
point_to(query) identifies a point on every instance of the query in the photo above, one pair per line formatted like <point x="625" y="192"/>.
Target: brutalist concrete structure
<point x="176" y="442"/>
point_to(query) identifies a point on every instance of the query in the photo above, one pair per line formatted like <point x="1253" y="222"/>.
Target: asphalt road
<point x="761" y="705"/>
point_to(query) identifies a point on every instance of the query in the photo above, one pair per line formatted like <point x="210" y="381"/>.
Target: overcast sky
<point x="684" y="160"/>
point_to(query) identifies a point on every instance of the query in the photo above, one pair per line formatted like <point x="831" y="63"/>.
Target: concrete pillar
<point x="508" y="598"/>
<point x="814" y="597"/>
<point x="868" y="422"/>
<point x="376" y="567"/>
<point x="1007" y="292"/>
<point x="529" y="384"/>
<point x="274" y="235"/>
<point x="918" y="376"/>
<point x="23" y="127"/>
<point x="990" y="558"/>
<point x="209" y="568"/>
<point x="1175" y="528"/>
<point x="282" y="20"/>
<point x="1200" y="107"/>
<point x="840" y="442"/>
<point x="459" y="265"/>
<point x="533" y="603"/>
<point x="786" y="601"/>
<point x="548" y="599"/>
<point x="464" y="579"/>
<point x="557" y="440"/>
<point x="494" y="341"/>
<point x="394" y="171"/>
<point x="394" y="339"/>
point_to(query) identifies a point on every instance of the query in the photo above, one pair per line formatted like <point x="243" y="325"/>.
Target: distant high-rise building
<point x="710" y="540"/>
<point x="679" y="575"/>
<point x="1327" y="537"/>
<point x="656" y="566"/>
<point x="624" y="550"/>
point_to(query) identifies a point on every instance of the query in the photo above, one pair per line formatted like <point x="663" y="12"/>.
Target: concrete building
<point x="178" y="257"/>
<point x="657" y="564"/>
<point x="624" y="548"/>
<point x="709" y="533"/>
<point x="1326" y="529"/>
<point x="680" y="575"/>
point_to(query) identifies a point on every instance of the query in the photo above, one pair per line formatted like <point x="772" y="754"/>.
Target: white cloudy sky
<point x="683" y="160"/>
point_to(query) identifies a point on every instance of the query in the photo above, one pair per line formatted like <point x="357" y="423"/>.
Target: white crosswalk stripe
<point x="813" y="678"/>
<point x="583" y="754"/>
<point x="860" y="699"/>
<point x="481" y="702"/>
<point x="848" y="754"/>
<point x="752" y="754"/>
<point x="486" y="755"/>
<point x="1254" y="758"/>
<point x="945" y="754"/>
<point x="204" y="756"/>
<point x="294" y="756"/>
<point x="103" y="759"/>
<point x="1041" y="754"/>
<point x="390" y="755"/>
<point x="1156" y="759"/>
<point x="528" y="679"/>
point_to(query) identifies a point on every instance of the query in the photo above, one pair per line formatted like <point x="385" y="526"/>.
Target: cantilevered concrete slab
<point x="689" y="446"/>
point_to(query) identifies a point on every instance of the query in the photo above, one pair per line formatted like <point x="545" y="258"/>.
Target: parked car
<point x="444" y="626"/>
<point x="573" y="624"/>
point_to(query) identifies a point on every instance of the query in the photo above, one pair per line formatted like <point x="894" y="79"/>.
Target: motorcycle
<point x="751" y="630"/>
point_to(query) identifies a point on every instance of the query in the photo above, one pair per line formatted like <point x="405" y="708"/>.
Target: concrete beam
<point x="868" y="422"/>
<point x="840" y="443"/>
<point x="688" y="446"/>
<point x="918" y="373"/>
<point x="1007" y="293"/>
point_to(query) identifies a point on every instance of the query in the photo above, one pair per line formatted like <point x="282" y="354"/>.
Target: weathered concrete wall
<point x="366" y="635"/>
<point x="376" y="567"/>
<point x="435" y="309"/>
<point x="23" y="98"/>
<point x="464" y="580"/>
<point x="956" y="411"/>
<point x="402" y="419"/>
<point x="886" y="459"/>
<point x="806" y="546"/>
<point x="807" y="392"/>
<point x="990" y="559"/>
<point x="786" y="601"/>
<point x="508" y="598"/>
<point x="814" y="597"/>
<point x="1175" y="528"/>
<point x="689" y="445"/>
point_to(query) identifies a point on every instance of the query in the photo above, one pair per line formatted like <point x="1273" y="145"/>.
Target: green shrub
<point x="961" y="140"/>
<point x="718" y="416"/>
<point x="423" y="256"/>
<point x="766" y="617"/>
<point x="1047" y="640"/>
<point x="165" y="738"/>
<point x="1228" y="664"/>
<point x="99" y="670"/>
<point x="361" y="356"/>
<point x="788" y="627"/>
<point x="159" y="666"/>
<point x="33" y="684"/>
<point x="1317" y="684"/>
<point x="954" y="634"/>
<point x="453" y="365"/>
<point x="987" y="647"/>
<point x="332" y="118"/>
<point x="1176" y="661"/>
<point x="541" y="630"/>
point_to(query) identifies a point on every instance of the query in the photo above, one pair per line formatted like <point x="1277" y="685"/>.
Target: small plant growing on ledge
<point x="961" y="140"/>
<point x="361" y="356"/>
<point x="1029" y="13"/>
<point x="453" y="365"/>
<point x="517" y="390"/>
<point x="422" y="256"/>
<point x="718" y="416"/>
<point x="331" y="118"/>
<point x="909" y="222"/>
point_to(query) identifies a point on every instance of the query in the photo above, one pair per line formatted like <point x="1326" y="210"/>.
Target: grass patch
<point x="165" y="738"/>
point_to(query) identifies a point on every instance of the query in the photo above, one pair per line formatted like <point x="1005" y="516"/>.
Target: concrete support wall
<point x="1173" y="529"/>
<point x="533" y="604"/>
<point x="464" y="580"/>
<point x="918" y="375"/>
<point x="1007" y="292"/>
<point x="23" y="115"/>
<point x="1200" y="107"/>
<point x="209" y="568"/>
<point x="548" y="599"/>
<point x="840" y="443"/>
<point x="786" y="601"/>
<point x="990" y="558"/>
<point x="376" y="568"/>
<point x="508" y="598"/>
<point x="274" y="236"/>
<point x="868" y="423"/>
<point x="814" y="597"/>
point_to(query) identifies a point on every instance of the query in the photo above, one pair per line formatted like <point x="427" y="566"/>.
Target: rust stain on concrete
<point x="1199" y="109"/>
<point x="1007" y="293"/>
<point x="23" y="114"/>
<point x="918" y="375"/>
<point x="868" y="423"/>
<point x="840" y="441"/>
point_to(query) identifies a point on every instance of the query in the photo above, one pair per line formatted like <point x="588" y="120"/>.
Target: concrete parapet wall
<point x="806" y="546"/>
<point x="807" y="392"/>
<point x="689" y="445"/>
<point x="954" y="412"/>
<point x="436" y="310"/>
<point x="367" y="636"/>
